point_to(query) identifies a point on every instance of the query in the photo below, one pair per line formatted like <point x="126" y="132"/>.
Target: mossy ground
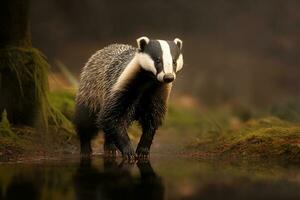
<point x="268" y="139"/>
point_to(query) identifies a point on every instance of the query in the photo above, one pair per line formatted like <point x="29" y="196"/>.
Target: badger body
<point x="121" y="84"/>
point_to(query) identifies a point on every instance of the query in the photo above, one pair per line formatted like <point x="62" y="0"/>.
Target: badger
<point x="121" y="84"/>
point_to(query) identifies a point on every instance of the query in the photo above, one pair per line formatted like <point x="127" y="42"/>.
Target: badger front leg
<point x="151" y="118"/>
<point x="143" y="148"/>
<point x="151" y="113"/>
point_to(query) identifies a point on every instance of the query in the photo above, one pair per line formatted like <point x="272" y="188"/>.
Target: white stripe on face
<point x="179" y="63"/>
<point x="166" y="57"/>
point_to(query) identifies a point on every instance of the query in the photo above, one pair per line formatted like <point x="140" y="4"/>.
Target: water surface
<point x="162" y="178"/>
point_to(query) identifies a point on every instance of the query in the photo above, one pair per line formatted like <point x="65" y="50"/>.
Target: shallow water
<point x="162" y="178"/>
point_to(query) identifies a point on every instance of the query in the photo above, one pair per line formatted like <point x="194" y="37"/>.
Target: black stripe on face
<point x="175" y="52"/>
<point x="174" y="49"/>
<point x="153" y="49"/>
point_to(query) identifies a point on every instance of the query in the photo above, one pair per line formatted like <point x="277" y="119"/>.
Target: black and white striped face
<point x="163" y="58"/>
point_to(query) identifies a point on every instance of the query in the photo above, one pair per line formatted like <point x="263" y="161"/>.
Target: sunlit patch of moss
<point x="5" y="130"/>
<point x="63" y="102"/>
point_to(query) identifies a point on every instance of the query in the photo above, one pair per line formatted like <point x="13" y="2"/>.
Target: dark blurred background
<point x="236" y="51"/>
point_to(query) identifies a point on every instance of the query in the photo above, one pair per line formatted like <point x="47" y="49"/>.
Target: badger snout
<point x="168" y="78"/>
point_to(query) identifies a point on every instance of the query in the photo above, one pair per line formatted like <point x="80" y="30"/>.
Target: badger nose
<point x="168" y="78"/>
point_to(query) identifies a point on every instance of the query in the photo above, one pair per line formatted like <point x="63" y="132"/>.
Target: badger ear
<point x="141" y="42"/>
<point x="178" y="42"/>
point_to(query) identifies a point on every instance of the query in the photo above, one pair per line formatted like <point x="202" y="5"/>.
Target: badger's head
<point x="162" y="58"/>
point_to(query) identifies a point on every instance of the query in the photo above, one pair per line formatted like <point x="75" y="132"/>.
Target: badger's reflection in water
<point x="116" y="181"/>
<point x="102" y="178"/>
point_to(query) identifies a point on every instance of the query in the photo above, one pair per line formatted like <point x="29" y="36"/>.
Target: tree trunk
<point x="23" y="69"/>
<point x="14" y="23"/>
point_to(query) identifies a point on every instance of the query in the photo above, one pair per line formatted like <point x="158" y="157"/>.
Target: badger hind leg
<point x="86" y="128"/>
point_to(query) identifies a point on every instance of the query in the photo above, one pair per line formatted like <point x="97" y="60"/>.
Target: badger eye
<point x="157" y="60"/>
<point x="174" y="62"/>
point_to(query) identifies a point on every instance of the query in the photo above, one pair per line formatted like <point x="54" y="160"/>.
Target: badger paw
<point x="142" y="153"/>
<point x="128" y="153"/>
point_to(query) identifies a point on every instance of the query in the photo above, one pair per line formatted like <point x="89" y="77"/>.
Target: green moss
<point x="268" y="138"/>
<point x="5" y="130"/>
<point x="64" y="101"/>
<point x="63" y="108"/>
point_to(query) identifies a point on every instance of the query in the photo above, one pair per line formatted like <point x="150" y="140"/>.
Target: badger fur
<point x="121" y="84"/>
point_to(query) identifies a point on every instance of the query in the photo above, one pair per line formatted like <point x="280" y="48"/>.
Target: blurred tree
<point x="14" y="18"/>
<point x="23" y="69"/>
